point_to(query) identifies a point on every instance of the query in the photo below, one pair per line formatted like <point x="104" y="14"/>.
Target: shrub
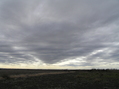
<point x="5" y="76"/>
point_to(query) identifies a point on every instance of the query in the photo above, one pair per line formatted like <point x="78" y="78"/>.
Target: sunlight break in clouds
<point x="59" y="34"/>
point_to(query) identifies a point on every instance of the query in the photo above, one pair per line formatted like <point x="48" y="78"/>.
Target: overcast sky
<point x="59" y="34"/>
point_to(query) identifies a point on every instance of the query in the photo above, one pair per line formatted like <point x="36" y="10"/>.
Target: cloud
<point x="58" y="30"/>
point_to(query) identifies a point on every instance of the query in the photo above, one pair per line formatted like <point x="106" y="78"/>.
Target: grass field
<point x="59" y="79"/>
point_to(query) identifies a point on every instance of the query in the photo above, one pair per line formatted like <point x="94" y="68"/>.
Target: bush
<point x="5" y="76"/>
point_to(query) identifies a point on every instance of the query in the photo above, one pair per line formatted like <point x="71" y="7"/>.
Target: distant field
<point x="60" y="79"/>
<point x="29" y="73"/>
<point x="26" y="71"/>
<point x="15" y="73"/>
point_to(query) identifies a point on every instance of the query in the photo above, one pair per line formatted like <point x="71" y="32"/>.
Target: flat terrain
<point x="59" y="79"/>
<point x="20" y="73"/>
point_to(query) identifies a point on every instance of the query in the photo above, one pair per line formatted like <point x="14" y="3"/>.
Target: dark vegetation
<point x="79" y="79"/>
<point x="25" y="71"/>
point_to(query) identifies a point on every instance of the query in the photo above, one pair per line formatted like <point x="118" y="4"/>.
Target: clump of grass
<point x="5" y="76"/>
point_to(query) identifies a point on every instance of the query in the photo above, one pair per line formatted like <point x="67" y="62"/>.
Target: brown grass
<point x="36" y="74"/>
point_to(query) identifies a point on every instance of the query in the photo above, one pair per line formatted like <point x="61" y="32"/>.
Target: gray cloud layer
<point x="54" y="30"/>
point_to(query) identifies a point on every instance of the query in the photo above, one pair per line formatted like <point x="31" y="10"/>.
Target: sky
<point x="59" y="34"/>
